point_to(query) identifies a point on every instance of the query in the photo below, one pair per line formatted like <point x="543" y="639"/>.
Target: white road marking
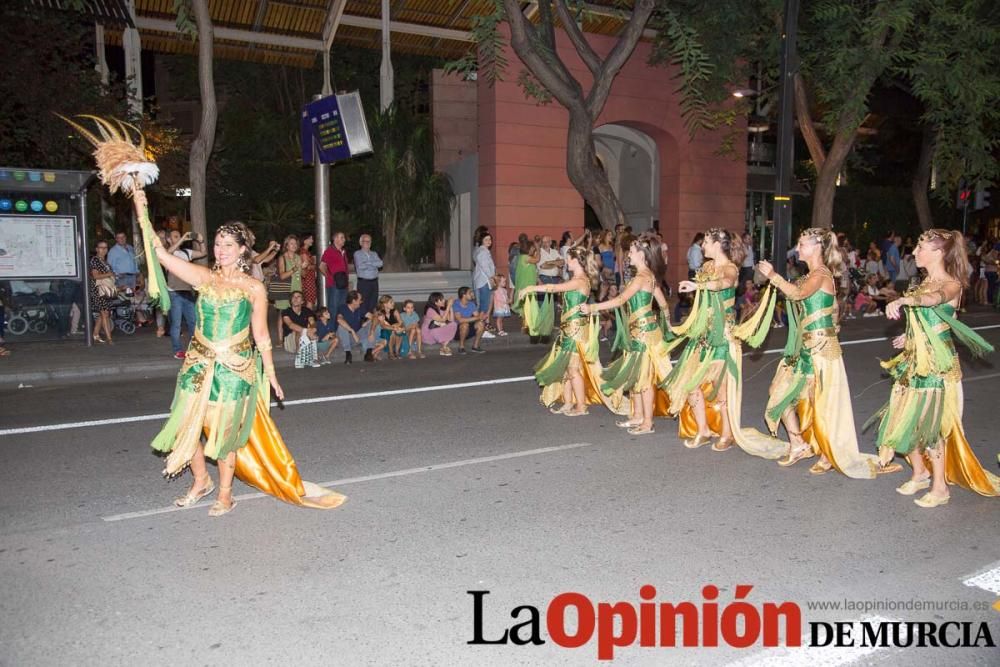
<point x="301" y="401"/>
<point x="368" y="478"/>
<point x="815" y="656"/>
<point x="378" y="394"/>
<point x="989" y="580"/>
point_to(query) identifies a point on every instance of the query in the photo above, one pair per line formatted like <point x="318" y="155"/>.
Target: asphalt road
<point x="458" y="489"/>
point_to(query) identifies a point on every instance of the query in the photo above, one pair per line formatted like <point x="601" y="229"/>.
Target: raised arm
<point x="567" y="286"/>
<point x="730" y="274"/>
<point x="626" y="294"/>
<point x="948" y="292"/>
<point x="812" y="284"/>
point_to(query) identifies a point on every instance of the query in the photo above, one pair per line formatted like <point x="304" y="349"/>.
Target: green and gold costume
<point x="925" y="405"/>
<point x="812" y="381"/>
<point x="713" y="357"/>
<point x="575" y="348"/>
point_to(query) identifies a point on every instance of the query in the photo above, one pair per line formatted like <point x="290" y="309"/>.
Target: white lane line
<point x="373" y="394"/>
<point x="816" y="656"/>
<point x="988" y="580"/>
<point x="302" y="401"/>
<point x="369" y="478"/>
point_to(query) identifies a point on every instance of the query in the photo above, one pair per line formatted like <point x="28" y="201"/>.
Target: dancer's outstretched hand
<point x="892" y="309"/>
<point x="765" y="268"/>
<point x="687" y="286"/>
<point x="899" y="342"/>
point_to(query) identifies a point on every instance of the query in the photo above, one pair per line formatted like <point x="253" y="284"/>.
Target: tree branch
<point x="550" y="71"/>
<point x="618" y="57"/>
<point x="806" y="124"/>
<point x="580" y="43"/>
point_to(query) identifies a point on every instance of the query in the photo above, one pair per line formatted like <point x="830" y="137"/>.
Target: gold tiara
<point x="937" y="235"/>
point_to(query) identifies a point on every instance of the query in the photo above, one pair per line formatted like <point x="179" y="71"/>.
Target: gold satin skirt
<point x="266" y="464"/>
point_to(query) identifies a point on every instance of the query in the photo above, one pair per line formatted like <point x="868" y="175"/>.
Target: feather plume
<point x="121" y="164"/>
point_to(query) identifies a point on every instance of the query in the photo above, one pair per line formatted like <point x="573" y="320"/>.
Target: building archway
<point x="631" y="160"/>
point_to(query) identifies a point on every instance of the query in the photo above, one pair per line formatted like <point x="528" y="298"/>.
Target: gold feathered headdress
<point x="122" y="165"/>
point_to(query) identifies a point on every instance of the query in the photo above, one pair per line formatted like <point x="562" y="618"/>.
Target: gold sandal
<point x="698" y="441"/>
<point x="930" y="500"/>
<point x="722" y="445"/>
<point x="219" y="508"/>
<point x="627" y="423"/>
<point x="820" y="468"/>
<point x="190" y="499"/>
<point x="796" y="455"/>
<point x="638" y="430"/>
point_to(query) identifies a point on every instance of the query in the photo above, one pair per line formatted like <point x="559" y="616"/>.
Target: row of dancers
<point x="809" y="395"/>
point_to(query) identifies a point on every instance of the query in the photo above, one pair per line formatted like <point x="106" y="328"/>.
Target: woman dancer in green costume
<point x="645" y="359"/>
<point x="705" y="387"/>
<point x="924" y="414"/>
<point x="810" y="393"/>
<point x="571" y="371"/>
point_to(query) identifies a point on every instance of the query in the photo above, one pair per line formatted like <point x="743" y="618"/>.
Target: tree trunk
<point x="586" y="174"/>
<point x="826" y="179"/>
<point x="921" y="180"/>
<point x="201" y="148"/>
<point x="394" y="259"/>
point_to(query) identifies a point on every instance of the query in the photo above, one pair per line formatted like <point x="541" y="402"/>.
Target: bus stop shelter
<point x="44" y="251"/>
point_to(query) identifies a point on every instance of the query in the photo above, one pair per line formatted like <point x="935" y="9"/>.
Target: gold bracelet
<point x="265" y="346"/>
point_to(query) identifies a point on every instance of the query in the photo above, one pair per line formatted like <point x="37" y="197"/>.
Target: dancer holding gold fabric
<point x="571" y="372"/>
<point x="221" y="389"/>
<point x="705" y="386"/>
<point x="810" y="392"/>
<point x="645" y="358"/>
<point x="923" y="417"/>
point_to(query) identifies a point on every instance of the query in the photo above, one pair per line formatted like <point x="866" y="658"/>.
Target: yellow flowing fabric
<point x="961" y="466"/>
<point x="266" y="464"/>
<point x="812" y="379"/>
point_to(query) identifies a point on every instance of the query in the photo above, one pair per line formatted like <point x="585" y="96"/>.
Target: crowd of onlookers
<point x="360" y="320"/>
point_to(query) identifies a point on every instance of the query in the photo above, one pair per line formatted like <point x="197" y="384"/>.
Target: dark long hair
<point x="431" y="300"/>
<point x="650" y="246"/>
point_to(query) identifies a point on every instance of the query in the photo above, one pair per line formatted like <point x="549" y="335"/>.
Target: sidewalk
<point x="143" y="355"/>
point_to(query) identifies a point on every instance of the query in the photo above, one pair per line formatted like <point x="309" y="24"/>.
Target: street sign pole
<point x="786" y="140"/>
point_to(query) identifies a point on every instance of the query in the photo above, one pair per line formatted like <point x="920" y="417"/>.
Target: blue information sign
<point x="336" y="125"/>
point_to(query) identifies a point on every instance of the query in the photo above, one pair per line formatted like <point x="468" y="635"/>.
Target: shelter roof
<point x="294" y="32"/>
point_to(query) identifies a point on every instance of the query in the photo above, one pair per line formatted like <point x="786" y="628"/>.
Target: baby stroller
<point x="31" y="312"/>
<point x="123" y="313"/>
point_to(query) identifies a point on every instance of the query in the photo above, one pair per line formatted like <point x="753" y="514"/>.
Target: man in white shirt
<point x="695" y="257"/>
<point x="746" y="269"/>
<point x="549" y="263"/>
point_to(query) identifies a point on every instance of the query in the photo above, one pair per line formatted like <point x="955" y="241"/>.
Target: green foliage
<point x="402" y="190"/>
<point x="486" y="57"/>
<point x="52" y="54"/>
<point x="533" y="88"/>
<point x="951" y="66"/>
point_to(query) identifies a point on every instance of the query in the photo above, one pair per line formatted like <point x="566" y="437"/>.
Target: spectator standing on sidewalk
<point x="549" y="263"/>
<point x="309" y="273"/>
<point x="182" y="297"/>
<point x="333" y="266"/>
<point x="483" y="276"/>
<point x="122" y="260"/>
<point x="366" y="265"/>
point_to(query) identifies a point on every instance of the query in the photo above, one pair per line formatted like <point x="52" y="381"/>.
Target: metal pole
<point x="322" y="202"/>
<point x="87" y="319"/>
<point x="786" y="139"/>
